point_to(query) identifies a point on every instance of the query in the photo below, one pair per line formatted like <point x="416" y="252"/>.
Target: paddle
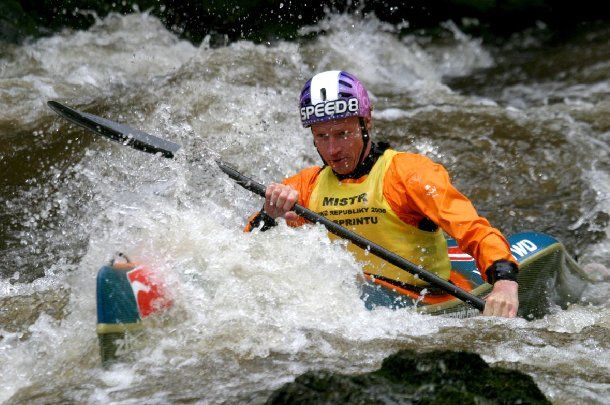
<point x="148" y="143"/>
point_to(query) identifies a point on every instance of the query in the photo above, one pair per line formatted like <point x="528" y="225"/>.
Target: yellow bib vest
<point x="362" y="208"/>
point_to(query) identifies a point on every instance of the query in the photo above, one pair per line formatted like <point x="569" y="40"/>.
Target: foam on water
<point x="600" y="182"/>
<point x="361" y="44"/>
<point x="252" y="310"/>
<point x="86" y="65"/>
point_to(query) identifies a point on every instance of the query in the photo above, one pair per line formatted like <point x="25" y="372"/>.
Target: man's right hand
<point x="279" y="201"/>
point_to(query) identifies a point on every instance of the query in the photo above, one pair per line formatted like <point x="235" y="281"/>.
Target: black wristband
<point x="265" y="219"/>
<point x="502" y="270"/>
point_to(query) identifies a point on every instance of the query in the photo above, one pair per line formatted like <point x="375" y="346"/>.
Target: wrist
<point x="265" y="219"/>
<point x="502" y="270"/>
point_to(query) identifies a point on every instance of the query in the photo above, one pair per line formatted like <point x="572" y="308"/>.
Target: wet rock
<point x="439" y="377"/>
<point x="15" y="23"/>
<point x="17" y="313"/>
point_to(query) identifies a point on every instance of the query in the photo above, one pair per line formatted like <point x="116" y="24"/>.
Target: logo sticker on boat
<point x="523" y="248"/>
<point x="457" y="255"/>
<point x="148" y="291"/>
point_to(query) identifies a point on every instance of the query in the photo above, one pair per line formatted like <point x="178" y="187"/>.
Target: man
<point x="395" y="199"/>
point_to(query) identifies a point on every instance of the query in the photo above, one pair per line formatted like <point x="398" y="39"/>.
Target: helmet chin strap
<point x="366" y="139"/>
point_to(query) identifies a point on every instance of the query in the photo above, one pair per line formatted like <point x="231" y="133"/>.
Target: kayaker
<point x="398" y="200"/>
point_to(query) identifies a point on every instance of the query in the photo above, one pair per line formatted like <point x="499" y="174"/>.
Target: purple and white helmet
<point x="332" y="95"/>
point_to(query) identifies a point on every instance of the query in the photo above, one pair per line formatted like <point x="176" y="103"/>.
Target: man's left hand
<point x="503" y="300"/>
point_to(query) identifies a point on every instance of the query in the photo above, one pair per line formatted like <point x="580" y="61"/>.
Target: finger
<point x="273" y="200"/>
<point x="269" y="203"/>
<point x="291" y="199"/>
<point x="512" y="310"/>
<point x="493" y="310"/>
<point x="279" y="203"/>
<point x="487" y="311"/>
<point x="291" y="216"/>
<point x="501" y="309"/>
<point x="269" y="208"/>
<point x="492" y="306"/>
<point x="270" y="189"/>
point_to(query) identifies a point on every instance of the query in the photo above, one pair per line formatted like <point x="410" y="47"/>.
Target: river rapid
<point x="523" y="128"/>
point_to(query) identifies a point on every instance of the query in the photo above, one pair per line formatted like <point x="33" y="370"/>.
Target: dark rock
<point x="15" y="23"/>
<point x="438" y="377"/>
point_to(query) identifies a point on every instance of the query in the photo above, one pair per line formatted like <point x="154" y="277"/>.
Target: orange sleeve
<point x="416" y="187"/>
<point x="303" y="182"/>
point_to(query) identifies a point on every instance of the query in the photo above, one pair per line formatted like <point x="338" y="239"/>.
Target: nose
<point x="334" y="146"/>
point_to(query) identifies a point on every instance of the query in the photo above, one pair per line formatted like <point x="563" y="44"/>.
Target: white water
<point x="254" y="310"/>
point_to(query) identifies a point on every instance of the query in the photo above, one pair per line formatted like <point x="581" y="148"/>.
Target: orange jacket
<point x="417" y="188"/>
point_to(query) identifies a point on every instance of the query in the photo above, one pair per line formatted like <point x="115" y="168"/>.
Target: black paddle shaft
<point x="359" y="241"/>
<point x="145" y="142"/>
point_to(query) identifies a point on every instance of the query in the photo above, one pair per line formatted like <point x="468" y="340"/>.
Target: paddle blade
<point x="114" y="131"/>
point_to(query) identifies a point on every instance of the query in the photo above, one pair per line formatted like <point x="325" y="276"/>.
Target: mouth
<point x="339" y="162"/>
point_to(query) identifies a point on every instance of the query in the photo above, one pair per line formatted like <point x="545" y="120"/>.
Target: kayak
<point x="129" y="295"/>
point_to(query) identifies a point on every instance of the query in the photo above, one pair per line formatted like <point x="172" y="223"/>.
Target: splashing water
<point x="255" y="310"/>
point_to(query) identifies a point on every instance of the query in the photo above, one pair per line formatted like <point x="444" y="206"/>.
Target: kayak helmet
<point x="333" y="95"/>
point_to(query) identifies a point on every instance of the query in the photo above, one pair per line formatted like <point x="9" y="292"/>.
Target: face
<point x="339" y="142"/>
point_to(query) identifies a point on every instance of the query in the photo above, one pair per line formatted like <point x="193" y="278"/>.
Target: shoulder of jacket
<point x="306" y="174"/>
<point x="411" y="160"/>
